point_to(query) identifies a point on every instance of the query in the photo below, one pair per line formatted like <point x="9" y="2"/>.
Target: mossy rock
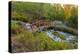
<point x="59" y="35"/>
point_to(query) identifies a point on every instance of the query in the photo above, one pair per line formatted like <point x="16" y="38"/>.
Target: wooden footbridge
<point x="43" y="23"/>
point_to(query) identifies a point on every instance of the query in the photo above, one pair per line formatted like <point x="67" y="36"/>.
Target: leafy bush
<point x="16" y="28"/>
<point x="19" y="16"/>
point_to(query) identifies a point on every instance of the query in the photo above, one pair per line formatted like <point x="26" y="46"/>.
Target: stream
<point x="69" y="38"/>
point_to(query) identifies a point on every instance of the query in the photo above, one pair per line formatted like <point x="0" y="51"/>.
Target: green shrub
<point x="19" y="16"/>
<point x="16" y="28"/>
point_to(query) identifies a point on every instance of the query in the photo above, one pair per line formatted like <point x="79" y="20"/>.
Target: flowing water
<point x="70" y="38"/>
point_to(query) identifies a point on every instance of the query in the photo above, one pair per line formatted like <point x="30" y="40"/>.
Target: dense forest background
<point x="28" y="12"/>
